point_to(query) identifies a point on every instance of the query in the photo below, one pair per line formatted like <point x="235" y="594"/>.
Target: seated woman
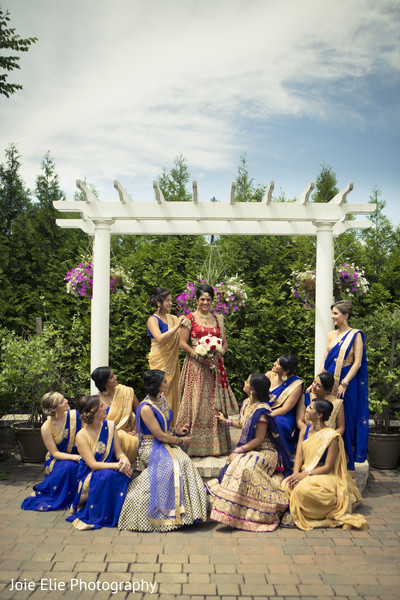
<point x="121" y="403"/>
<point x="104" y="471"/>
<point x="248" y="496"/>
<point x="285" y="392"/>
<point x="321" y="388"/>
<point x="321" y="491"/>
<point x="61" y="466"/>
<point x="170" y="492"/>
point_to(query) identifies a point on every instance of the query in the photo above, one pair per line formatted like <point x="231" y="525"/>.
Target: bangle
<point x="344" y="383"/>
<point x="181" y="442"/>
<point x="239" y="450"/>
<point x="228" y="422"/>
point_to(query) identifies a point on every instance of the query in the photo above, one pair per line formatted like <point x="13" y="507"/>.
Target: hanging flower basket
<point x="230" y="296"/>
<point x="80" y="281"/>
<point x="348" y="282"/>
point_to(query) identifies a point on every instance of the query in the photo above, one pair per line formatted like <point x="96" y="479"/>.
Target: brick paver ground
<point x="204" y="562"/>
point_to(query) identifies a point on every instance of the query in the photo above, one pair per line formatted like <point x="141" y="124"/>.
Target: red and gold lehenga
<point x="203" y="392"/>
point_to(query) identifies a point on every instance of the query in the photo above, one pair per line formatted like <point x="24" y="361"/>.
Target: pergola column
<point x="324" y="289"/>
<point x="100" y="314"/>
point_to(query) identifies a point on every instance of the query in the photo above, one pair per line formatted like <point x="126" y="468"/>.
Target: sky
<point x="116" y="89"/>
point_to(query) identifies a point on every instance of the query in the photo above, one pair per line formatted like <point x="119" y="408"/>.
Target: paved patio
<point x="210" y="561"/>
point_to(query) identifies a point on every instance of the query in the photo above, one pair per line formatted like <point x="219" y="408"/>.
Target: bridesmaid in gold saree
<point x="321" y="491"/>
<point x="163" y="330"/>
<point x="121" y="403"/>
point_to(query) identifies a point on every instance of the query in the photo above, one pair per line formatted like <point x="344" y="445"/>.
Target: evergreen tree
<point x="10" y="41"/>
<point x="246" y="190"/>
<point x="325" y="185"/>
<point x="173" y="183"/>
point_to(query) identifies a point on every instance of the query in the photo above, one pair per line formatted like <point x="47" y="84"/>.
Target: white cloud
<point x="119" y="88"/>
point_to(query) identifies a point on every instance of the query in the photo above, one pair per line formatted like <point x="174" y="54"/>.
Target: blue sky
<point x="116" y="89"/>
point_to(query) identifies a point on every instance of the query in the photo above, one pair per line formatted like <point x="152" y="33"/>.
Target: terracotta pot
<point x="384" y="450"/>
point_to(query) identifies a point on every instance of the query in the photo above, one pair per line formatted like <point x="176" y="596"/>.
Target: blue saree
<point x="287" y="423"/>
<point x="169" y="493"/>
<point x="355" y="400"/>
<point x="61" y="476"/>
<point x="101" y="493"/>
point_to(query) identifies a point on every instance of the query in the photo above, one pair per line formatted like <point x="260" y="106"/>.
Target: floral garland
<point x="230" y="296"/>
<point x="80" y="281"/>
<point x="348" y="282"/>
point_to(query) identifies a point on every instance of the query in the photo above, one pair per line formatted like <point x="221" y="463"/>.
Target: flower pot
<point x="30" y="444"/>
<point x="384" y="450"/>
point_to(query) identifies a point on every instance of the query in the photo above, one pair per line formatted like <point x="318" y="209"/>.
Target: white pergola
<point x="126" y="217"/>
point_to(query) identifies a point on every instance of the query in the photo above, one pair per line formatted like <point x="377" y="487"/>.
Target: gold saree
<point x="165" y="357"/>
<point x="324" y="500"/>
<point x="121" y="413"/>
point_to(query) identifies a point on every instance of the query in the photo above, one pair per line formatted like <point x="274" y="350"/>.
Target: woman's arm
<point x="183" y="342"/>
<point x="289" y="403"/>
<point x="260" y="433"/>
<point x="123" y="461"/>
<point x="358" y="354"/>
<point x="292" y="480"/>
<point x="135" y="403"/>
<point x="340" y="421"/>
<point x="50" y="444"/>
<point x="301" y="413"/>
<point x="331" y="455"/>
<point x="152" y="423"/>
<point x="154" y="329"/>
<point x="86" y="453"/>
<point x="221" y="417"/>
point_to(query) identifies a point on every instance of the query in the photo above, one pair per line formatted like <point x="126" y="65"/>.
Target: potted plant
<point x="383" y="349"/>
<point x="30" y="367"/>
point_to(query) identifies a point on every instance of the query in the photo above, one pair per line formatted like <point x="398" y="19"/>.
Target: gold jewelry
<point x="284" y="377"/>
<point x="318" y="426"/>
<point x="208" y="317"/>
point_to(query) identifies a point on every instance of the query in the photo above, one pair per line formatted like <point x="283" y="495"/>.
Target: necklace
<point x="206" y="318"/>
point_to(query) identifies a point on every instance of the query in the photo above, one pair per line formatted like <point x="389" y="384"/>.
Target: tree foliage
<point x="325" y="184"/>
<point x="35" y="255"/>
<point x="173" y="183"/>
<point x="10" y="41"/>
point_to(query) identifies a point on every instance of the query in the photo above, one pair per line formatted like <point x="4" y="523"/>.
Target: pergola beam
<point x="126" y="217"/>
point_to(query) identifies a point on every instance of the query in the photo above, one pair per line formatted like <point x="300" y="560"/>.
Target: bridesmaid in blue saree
<point x="61" y="466"/>
<point x="169" y="493"/>
<point x="104" y="470"/>
<point x="346" y="359"/>
<point x="285" y="392"/>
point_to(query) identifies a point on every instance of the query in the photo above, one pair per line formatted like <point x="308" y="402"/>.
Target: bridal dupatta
<point x="165" y="357"/>
<point x="166" y="487"/>
<point x="355" y="401"/>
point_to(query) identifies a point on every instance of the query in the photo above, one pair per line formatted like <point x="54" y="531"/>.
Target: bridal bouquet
<point x="208" y="345"/>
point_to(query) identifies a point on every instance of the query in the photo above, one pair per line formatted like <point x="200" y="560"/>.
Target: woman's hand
<point x="220" y="416"/>
<point x="231" y="457"/>
<point x="208" y="362"/>
<point x="124" y="466"/>
<point x="294" y="479"/>
<point x="341" y="391"/>
<point x="182" y="432"/>
<point x="309" y="389"/>
<point x="133" y="432"/>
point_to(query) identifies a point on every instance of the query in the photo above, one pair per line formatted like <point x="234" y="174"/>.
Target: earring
<point x="318" y="427"/>
<point x="284" y="377"/>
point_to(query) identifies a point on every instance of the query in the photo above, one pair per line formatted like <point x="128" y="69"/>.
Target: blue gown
<point x="101" y="493"/>
<point x="61" y="476"/>
<point x="355" y="401"/>
<point x="286" y="423"/>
